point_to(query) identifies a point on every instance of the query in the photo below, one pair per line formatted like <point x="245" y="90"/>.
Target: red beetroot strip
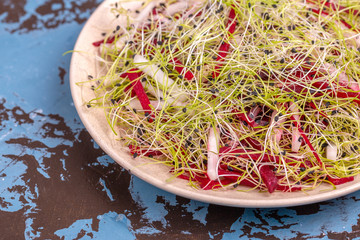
<point x="179" y="68"/>
<point x="269" y="178"/>
<point x="298" y="125"/>
<point x="138" y="88"/>
<point x="224" y="47"/>
<point x="326" y="14"/>
<point x="338" y="181"/>
<point x="320" y="85"/>
<point x="109" y="40"/>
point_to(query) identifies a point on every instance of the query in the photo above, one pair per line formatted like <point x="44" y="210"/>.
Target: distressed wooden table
<point x="55" y="182"/>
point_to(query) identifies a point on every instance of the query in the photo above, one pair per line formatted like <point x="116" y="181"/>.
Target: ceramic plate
<point x="83" y="64"/>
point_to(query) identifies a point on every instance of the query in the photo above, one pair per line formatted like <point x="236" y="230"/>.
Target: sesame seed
<point x="282" y="60"/>
<point x="184" y="110"/>
<point x="274" y="6"/>
<point x="117" y="28"/>
<point x="135" y="155"/>
<point x="180" y="28"/>
<point x="198" y="68"/>
<point x="89" y="106"/>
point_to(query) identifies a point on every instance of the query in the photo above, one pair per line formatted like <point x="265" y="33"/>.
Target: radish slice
<point x="331" y="152"/>
<point x="213" y="153"/>
<point x="155" y="72"/>
<point x="278" y="131"/>
<point x="296" y="140"/>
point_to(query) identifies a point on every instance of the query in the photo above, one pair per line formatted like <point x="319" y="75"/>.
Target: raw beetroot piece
<point x="298" y="125"/>
<point x="179" y="68"/>
<point x="183" y="176"/>
<point x="252" y="143"/>
<point x="138" y="88"/>
<point x="109" y="40"/>
<point x="224" y="47"/>
<point x="127" y="88"/>
<point x="269" y="178"/>
<point x="348" y="95"/>
<point x="138" y="150"/>
<point x="338" y="181"/>
<point x="246" y="118"/>
<point x="313" y="106"/>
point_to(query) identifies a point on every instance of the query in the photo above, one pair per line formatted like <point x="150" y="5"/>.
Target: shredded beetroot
<point x="245" y="117"/>
<point x="109" y="40"/>
<point x="298" y="125"/>
<point x="138" y="88"/>
<point x="312" y="105"/>
<point x="127" y="88"/>
<point x="338" y="181"/>
<point x="224" y="47"/>
<point x="179" y="68"/>
<point x="269" y="178"/>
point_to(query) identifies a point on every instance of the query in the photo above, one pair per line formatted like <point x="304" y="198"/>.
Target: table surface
<point x="56" y="183"/>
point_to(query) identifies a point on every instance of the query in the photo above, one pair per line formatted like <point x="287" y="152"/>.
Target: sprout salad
<point x="263" y="94"/>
